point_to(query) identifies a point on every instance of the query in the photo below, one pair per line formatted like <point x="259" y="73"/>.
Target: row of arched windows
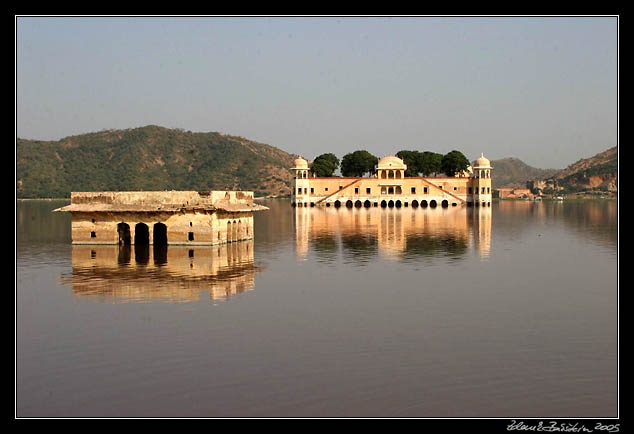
<point x="236" y="230"/>
<point x="390" y="174"/>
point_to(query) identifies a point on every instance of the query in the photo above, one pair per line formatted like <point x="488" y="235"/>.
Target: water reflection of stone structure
<point x="395" y="233"/>
<point x="175" y="274"/>
<point x="161" y="217"/>
<point x="389" y="187"/>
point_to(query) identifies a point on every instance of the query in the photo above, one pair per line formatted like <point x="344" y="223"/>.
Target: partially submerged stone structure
<point x="161" y="217"/>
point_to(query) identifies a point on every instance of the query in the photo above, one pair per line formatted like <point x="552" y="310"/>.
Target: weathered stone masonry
<point x="161" y="217"/>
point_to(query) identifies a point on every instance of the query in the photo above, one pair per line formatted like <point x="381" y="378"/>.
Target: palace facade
<point x="389" y="187"/>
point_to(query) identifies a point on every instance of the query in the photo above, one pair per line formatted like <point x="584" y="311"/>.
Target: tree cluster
<point x="359" y="163"/>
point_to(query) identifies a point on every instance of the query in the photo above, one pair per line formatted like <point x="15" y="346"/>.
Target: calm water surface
<point x="509" y="311"/>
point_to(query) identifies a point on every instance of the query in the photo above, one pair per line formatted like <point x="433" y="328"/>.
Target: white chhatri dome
<point x="482" y="163"/>
<point x="300" y="163"/>
<point x="391" y="162"/>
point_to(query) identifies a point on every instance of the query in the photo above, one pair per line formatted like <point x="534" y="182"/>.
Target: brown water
<point x="509" y="311"/>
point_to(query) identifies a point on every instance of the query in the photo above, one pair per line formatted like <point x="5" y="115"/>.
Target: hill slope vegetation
<point x="513" y="172"/>
<point x="599" y="172"/>
<point x="149" y="158"/>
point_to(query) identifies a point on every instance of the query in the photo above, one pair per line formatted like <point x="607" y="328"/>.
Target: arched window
<point x="123" y="229"/>
<point x="160" y="234"/>
<point x="141" y="234"/>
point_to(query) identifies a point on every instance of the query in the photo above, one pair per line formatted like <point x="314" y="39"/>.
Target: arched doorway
<point x="141" y="234"/>
<point x="348" y="204"/>
<point x="367" y="204"/>
<point x="228" y="240"/>
<point x="358" y="204"/>
<point x="160" y="234"/>
<point x="414" y="203"/>
<point x="445" y="203"/>
<point x="337" y="204"/>
<point x="383" y="204"/>
<point x="391" y="204"/>
<point x="433" y="204"/>
<point x="123" y="229"/>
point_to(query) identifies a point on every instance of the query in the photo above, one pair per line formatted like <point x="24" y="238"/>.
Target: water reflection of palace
<point x="122" y="274"/>
<point x="396" y="233"/>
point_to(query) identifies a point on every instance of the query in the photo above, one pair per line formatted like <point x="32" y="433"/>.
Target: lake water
<point x="509" y="311"/>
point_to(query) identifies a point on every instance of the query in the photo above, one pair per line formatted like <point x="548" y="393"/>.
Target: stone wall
<point x="185" y="228"/>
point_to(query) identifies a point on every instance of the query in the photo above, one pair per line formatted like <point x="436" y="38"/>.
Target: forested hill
<point x="599" y="172"/>
<point x="513" y="172"/>
<point x="149" y="158"/>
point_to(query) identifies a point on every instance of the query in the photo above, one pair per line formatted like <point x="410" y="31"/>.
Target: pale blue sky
<point x="542" y="89"/>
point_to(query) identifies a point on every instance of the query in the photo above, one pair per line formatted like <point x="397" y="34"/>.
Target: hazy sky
<point x="542" y="89"/>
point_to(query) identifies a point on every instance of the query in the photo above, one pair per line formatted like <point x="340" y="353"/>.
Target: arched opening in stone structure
<point x="398" y="189"/>
<point x="234" y="231"/>
<point x="391" y="204"/>
<point x="383" y="175"/>
<point x="349" y="204"/>
<point x="337" y="204"/>
<point x="141" y="234"/>
<point x="423" y="203"/>
<point x="398" y="204"/>
<point x="367" y="204"/>
<point x="398" y="174"/>
<point x="228" y="240"/>
<point x="123" y="229"/>
<point x="414" y="203"/>
<point x="358" y="204"/>
<point x="383" y="203"/>
<point x="433" y="203"/>
<point x="445" y="203"/>
<point x="240" y="233"/>
<point x="160" y="234"/>
<point x="390" y="190"/>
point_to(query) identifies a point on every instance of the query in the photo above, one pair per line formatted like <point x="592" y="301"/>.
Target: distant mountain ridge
<point x="159" y="158"/>
<point x="599" y="172"/>
<point x="513" y="172"/>
<point x="150" y="158"/>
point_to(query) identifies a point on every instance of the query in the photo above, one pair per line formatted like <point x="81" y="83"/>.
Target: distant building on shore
<point x="389" y="187"/>
<point x="513" y="193"/>
<point x="161" y="217"/>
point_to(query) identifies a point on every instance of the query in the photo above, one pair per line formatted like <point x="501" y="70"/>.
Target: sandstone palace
<point x="389" y="187"/>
